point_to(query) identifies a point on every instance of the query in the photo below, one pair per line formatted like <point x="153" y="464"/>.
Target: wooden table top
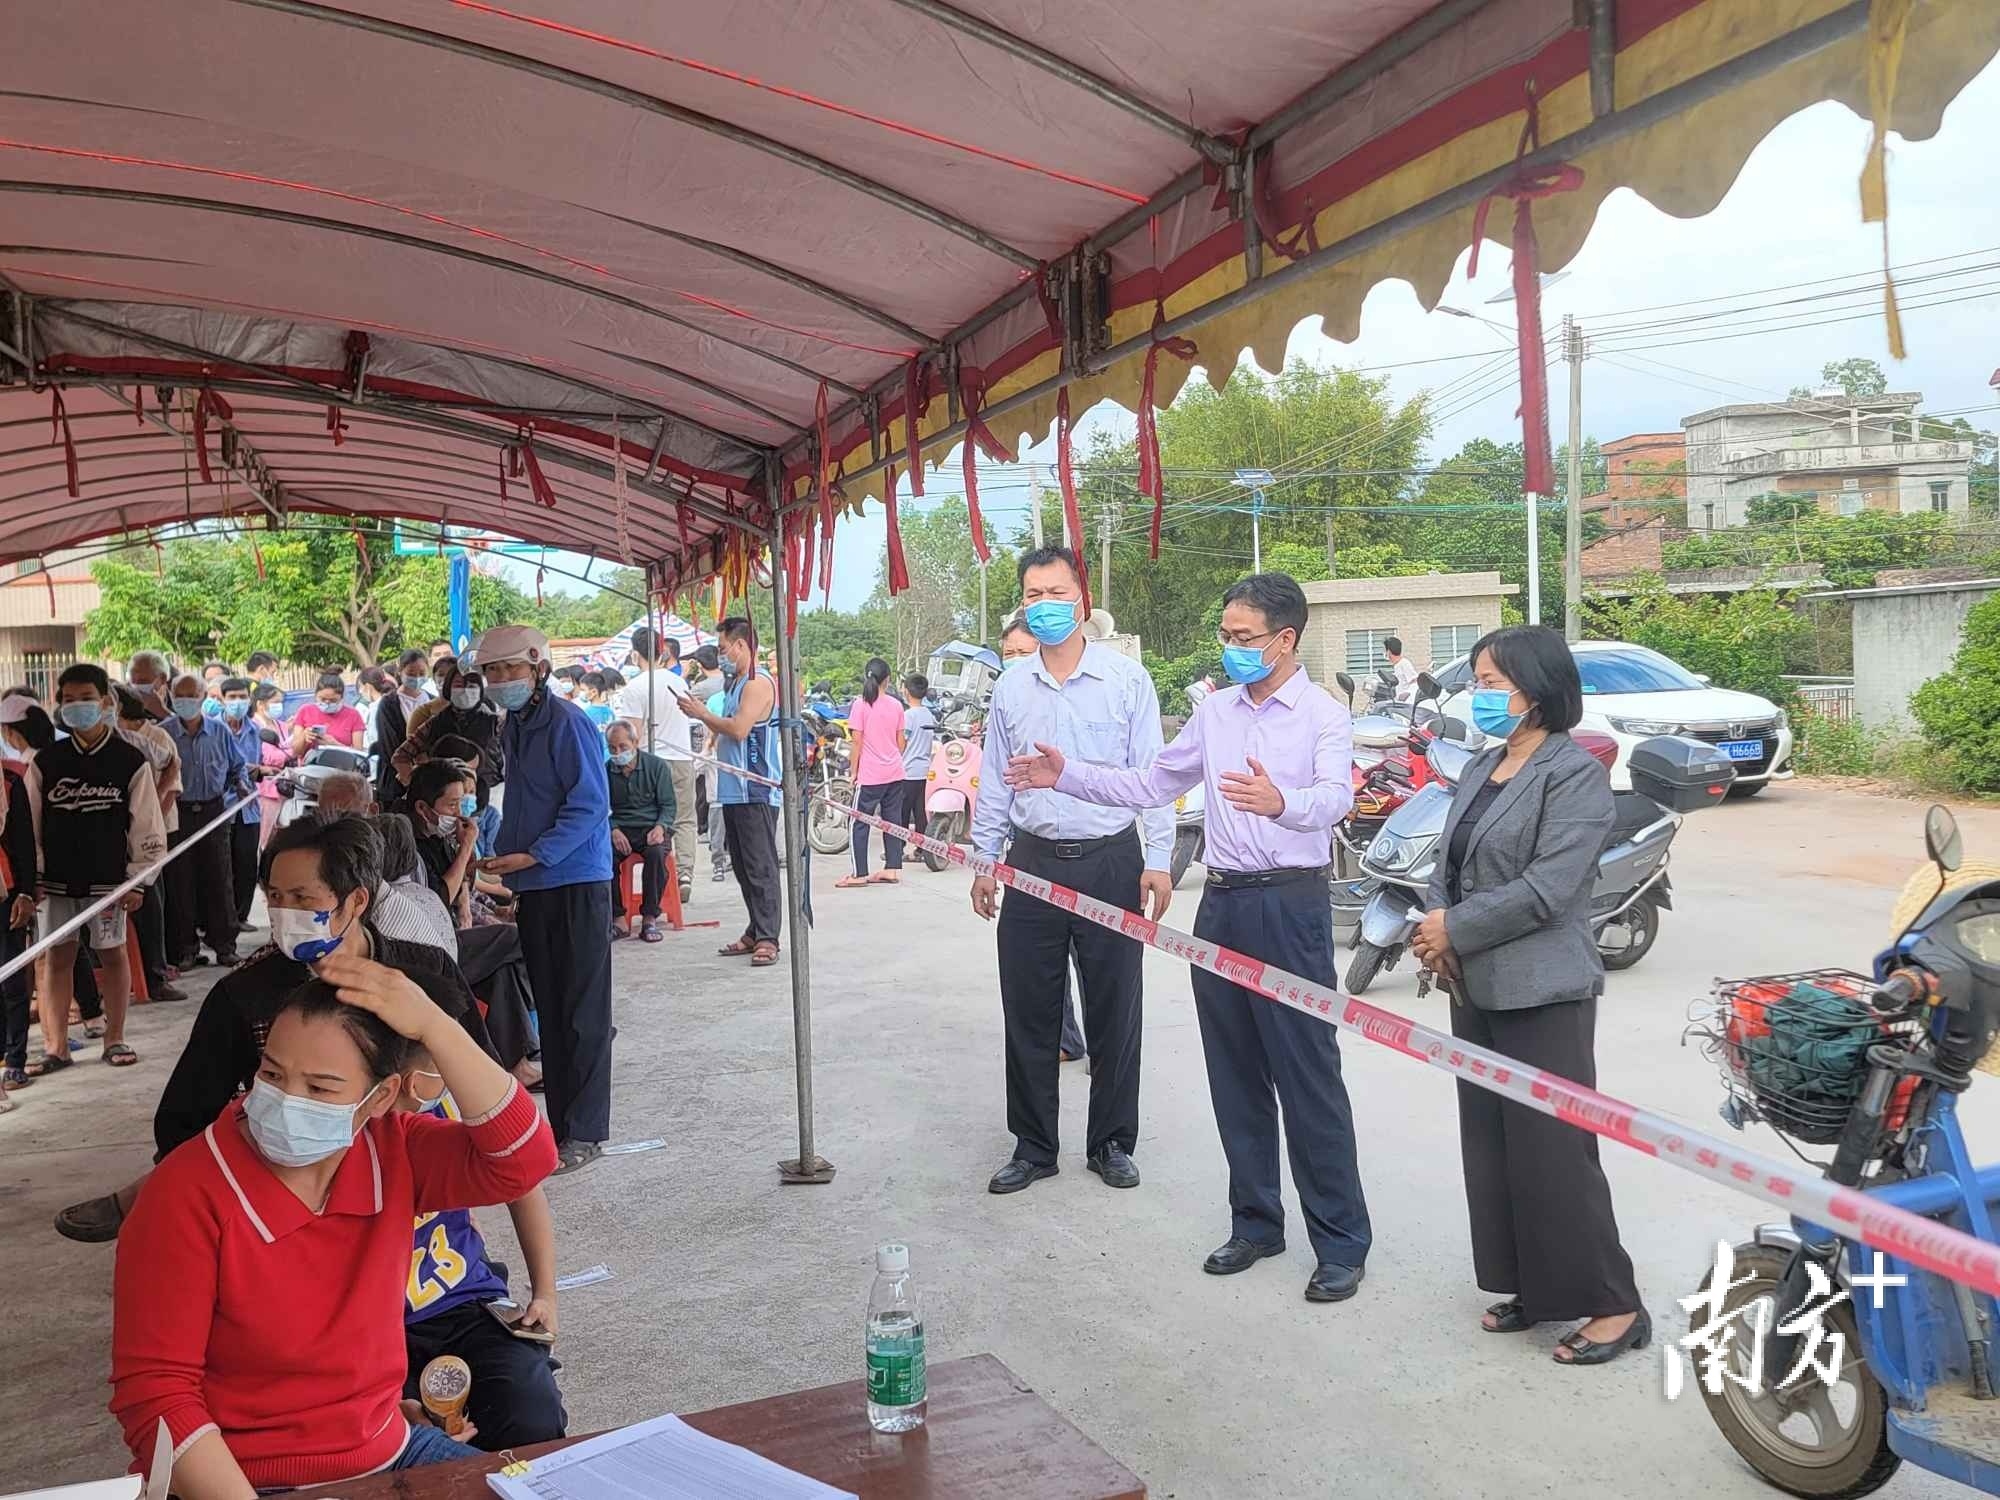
<point x="987" y="1436"/>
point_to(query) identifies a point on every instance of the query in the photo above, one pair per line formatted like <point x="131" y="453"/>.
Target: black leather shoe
<point x="1331" y="1283"/>
<point x="1018" y="1174"/>
<point x="1239" y="1255"/>
<point x="1115" y="1167"/>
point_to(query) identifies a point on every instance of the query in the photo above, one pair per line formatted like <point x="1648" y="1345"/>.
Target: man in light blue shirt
<point x="1099" y="706"/>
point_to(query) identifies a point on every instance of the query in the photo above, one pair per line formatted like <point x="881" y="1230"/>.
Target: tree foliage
<point x="1959" y="712"/>
<point x="1850" y="550"/>
<point x="1744" y="641"/>
<point x="1857" y="378"/>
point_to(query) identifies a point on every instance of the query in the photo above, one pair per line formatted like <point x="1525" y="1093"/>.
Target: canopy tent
<point x="674" y="283"/>
<point x="688" y="637"/>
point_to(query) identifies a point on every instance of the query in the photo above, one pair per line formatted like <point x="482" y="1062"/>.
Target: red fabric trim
<point x="978" y="439"/>
<point x="538" y="484"/>
<point x="1066" y="475"/>
<point x="1152" y="480"/>
<point x="49" y="579"/>
<point x="208" y="404"/>
<point x="826" y="469"/>
<point x="361" y="547"/>
<point x="336" y="426"/>
<point x="257" y="556"/>
<point x="59" y="428"/>
<point x="899" y="569"/>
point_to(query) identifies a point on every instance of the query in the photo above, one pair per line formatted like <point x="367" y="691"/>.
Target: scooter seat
<point x="1631" y="812"/>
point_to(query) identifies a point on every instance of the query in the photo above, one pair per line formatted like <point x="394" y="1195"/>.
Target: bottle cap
<point x="892" y="1257"/>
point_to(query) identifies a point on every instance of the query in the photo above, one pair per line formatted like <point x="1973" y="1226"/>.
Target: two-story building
<point x="1849" y="454"/>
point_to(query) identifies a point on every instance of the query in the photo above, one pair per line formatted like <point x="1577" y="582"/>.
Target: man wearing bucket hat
<point x="555" y="855"/>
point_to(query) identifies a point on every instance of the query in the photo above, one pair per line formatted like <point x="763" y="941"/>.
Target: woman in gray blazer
<point x="1509" y="934"/>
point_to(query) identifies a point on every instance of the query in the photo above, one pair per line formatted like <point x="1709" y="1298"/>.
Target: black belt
<point x="1239" y="880"/>
<point x="187" y="803"/>
<point x="1071" y="848"/>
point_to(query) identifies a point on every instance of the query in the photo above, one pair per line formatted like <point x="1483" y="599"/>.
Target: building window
<point x="1364" y="650"/>
<point x="1941" y="495"/>
<point x="1852" y="501"/>
<point x="1449" y="642"/>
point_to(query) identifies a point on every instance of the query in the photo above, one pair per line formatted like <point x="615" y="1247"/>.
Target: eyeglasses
<point x="1224" y="638"/>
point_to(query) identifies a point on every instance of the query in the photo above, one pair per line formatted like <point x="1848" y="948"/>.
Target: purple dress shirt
<point x="1299" y="734"/>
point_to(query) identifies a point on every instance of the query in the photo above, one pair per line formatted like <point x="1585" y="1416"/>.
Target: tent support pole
<point x="808" y="1166"/>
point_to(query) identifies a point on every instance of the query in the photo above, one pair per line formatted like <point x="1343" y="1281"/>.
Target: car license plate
<point x="1742" y="749"/>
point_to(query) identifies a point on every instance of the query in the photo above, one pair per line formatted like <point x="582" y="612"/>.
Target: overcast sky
<point x="1792" y="217"/>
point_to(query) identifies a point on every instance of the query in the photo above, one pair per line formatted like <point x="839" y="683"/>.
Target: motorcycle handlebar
<point x="1903" y="990"/>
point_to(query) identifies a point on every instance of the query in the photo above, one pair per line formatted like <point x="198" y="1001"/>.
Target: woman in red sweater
<point x="258" y="1300"/>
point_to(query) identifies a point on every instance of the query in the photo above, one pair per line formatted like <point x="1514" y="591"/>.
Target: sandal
<point x="93" y="1221"/>
<point x="1507" y="1318"/>
<point x="93" y="1029"/>
<point x="743" y="947"/>
<point x="118" y="1055"/>
<point x="764" y="955"/>
<point x="15" y="1078"/>
<point x="49" y="1062"/>
<point x="849" y="882"/>
<point x="1583" y="1351"/>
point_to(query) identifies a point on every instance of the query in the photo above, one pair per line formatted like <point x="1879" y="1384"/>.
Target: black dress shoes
<point x="1018" y="1174"/>
<point x="1115" y="1167"/>
<point x="1331" y="1283"/>
<point x="1239" y="1255"/>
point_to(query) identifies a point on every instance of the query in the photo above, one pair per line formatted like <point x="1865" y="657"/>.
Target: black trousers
<point x="653" y="872"/>
<point x="916" y="790"/>
<point x="490" y="959"/>
<point x="151" y="921"/>
<point x="886" y="802"/>
<point x="1542" y="1225"/>
<point x="566" y="940"/>
<point x="198" y="887"/>
<point x="750" y="833"/>
<point x="15" y="1001"/>
<point x="1037" y="941"/>
<point x="243" y="851"/>
<point x="514" y="1399"/>
<point x="1263" y="1056"/>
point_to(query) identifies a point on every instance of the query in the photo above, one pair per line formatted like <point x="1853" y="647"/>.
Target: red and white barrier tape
<point x="1848" y="1212"/>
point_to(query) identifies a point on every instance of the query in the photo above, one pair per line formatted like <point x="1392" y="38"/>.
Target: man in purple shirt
<point x="1275" y="756"/>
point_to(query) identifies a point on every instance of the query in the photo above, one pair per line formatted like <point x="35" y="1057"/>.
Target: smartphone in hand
<point x="508" y="1314"/>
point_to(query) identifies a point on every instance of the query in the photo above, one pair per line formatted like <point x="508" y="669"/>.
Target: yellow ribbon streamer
<point x="1888" y="23"/>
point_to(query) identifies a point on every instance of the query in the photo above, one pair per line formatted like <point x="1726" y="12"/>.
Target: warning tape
<point x="1853" y="1214"/>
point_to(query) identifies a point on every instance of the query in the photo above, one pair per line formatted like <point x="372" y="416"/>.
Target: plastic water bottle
<point x="896" y="1384"/>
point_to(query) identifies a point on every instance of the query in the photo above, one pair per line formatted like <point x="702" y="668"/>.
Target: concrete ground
<point x="729" y="1286"/>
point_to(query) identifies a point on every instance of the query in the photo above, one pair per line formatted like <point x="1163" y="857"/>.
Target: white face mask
<point x="289" y="1131"/>
<point x="307" y="936"/>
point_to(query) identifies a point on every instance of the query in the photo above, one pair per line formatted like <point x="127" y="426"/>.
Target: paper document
<point x="664" y="1459"/>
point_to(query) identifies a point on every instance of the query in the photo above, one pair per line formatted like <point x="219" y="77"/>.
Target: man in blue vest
<point x="555" y="855"/>
<point x="746" y="739"/>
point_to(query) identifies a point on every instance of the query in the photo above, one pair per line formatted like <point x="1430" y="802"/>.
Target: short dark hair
<point x="260" y="659"/>
<point x="1041" y="557"/>
<point x="1275" y="596"/>
<point x="349" y="850"/>
<point x="130" y="704"/>
<point x="399" y="845"/>
<point x="428" y="781"/>
<point x="738" y="628"/>
<point x="330" y="680"/>
<point x="1538" y="661"/>
<point x="454" y="747"/>
<point x="444" y="666"/>
<point x="707" y="656"/>
<point x="414" y="657"/>
<point x="671" y="647"/>
<point x="84" y="671"/>
<point x="36" y="727"/>
<point x="441" y="641"/>
<point x="213" y="666"/>
<point x="376" y="678"/>
<point x="383" y="1050"/>
<point x="235" y="685"/>
<point x="1393" y="644"/>
<point x="646" y="642"/>
<point x="917" y="685"/>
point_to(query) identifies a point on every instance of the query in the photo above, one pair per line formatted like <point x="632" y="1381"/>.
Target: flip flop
<point x="743" y="947"/>
<point x="118" y="1055"/>
<point x="49" y="1062"/>
<point x="849" y="882"/>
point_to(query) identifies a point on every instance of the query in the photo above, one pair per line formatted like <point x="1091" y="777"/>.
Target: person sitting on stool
<point x="1275" y="756"/>
<point x="643" y="811"/>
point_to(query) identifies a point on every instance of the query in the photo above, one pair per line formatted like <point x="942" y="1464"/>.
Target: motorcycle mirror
<point x="1942" y="840"/>
<point x="1346" y="683"/>
<point x="1427" y="686"/>
<point x="1387" y="674"/>
<point x="1451" y="729"/>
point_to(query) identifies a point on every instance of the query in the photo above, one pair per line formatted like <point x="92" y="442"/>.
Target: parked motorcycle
<point x="299" y="785"/>
<point x="1671" y="776"/>
<point x="950" y="791"/>
<point x="1873" y="1066"/>
<point x="829" y="776"/>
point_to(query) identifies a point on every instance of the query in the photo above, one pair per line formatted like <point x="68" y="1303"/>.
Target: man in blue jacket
<point x="555" y="855"/>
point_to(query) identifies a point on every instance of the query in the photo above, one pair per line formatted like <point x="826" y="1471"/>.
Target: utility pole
<point x="1332" y="509"/>
<point x="1534" y="559"/>
<point x="1255" y="481"/>
<point x="1573" y="512"/>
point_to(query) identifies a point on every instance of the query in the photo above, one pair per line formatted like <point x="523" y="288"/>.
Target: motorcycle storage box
<point x="1685" y="775"/>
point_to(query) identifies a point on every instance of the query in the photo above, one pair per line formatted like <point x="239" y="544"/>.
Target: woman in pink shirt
<point x="327" y="720"/>
<point x="875" y="720"/>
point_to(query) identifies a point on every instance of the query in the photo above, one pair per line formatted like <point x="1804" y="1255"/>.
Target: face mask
<point x="564" y="687"/>
<point x="1052" y="621"/>
<point x="1489" y="712"/>
<point x="307" y="936"/>
<point x="623" y="757"/>
<point x="447" y="825"/>
<point x="184" y="708"/>
<point x="413" y="682"/>
<point x="729" y="667"/>
<point x="465" y="700"/>
<point x="1012" y="662"/>
<point x="236" y="708"/>
<point x="1245" y="664"/>
<point x="212" y="707"/>
<point x="328" y="705"/>
<point x="84" y="716"/>
<point x="292" y="1132"/>
<point x="468" y="805"/>
<point x="513" y="696"/>
<point x="630" y="670"/>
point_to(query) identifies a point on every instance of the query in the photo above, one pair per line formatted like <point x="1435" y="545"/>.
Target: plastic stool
<point x="631" y="893"/>
<point x="135" y="960"/>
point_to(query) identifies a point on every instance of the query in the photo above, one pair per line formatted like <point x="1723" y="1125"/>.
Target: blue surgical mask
<point x="468" y="806"/>
<point x="212" y="707"/>
<point x="236" y="708"/>
<point x="289" y="1131"/>
<point x="184" y="708"/>
<point x="623" y="757"/>
<point x="84" y="716"/>
<point x="1051" y="621"/>
<point x="307" y="936"/>
<point x="512" y="696"/>
<point x="1011" y="662"/>
<point x="1490" y="713"/>
<point x="413" y="682"/>
<point x="1245" y="664"/>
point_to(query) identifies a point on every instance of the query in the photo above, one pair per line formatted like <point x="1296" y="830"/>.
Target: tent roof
<point x="468" y="225"/>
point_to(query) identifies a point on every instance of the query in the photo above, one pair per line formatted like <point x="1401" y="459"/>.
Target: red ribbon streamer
<point x="538" y="485"/>
<point x="59" y="428"/>
<point x="50" y="579"/>
<point x="913" y="398"/>
<point x="681" y="523"/>
<point x="1152" y="479"/>
<point x="899" y="568"/>
<point x="207" y="404"/>
<point x="139" y="404"/>
<point x="361" y="546"/>
<point x="503" y="481"/>
<point x="336" y="426"/>
<point x="979" y="439"/>
<point x="257" y="556"/>
<point x="1066" y="476"/>
<point x="1302" y="241"/>
<point x="1526" y="185"/>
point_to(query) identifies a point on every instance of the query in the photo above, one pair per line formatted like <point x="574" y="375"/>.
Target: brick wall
<point x="1327" y="624"/>
<point x="1634" y="550"/>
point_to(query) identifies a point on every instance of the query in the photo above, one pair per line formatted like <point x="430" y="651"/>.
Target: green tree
<point x="1763" y="510"/>
<point x="1857" y="378"/>
<point x="1742" y="641"/>
<point x="601" y="613"/>
<point x="1850" y="550"/>
<point x="1959" y="712"/>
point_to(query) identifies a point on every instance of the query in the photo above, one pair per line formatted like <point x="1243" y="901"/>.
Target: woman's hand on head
<point x="386" y="993"/>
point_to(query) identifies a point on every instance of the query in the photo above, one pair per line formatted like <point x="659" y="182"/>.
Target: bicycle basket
<point x="1794" y="1047"/>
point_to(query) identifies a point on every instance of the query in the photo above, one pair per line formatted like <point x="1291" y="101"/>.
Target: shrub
<point x="1740" y="642"/>
<point x="1959" y="711"/>
<point x="1832" y="747"/>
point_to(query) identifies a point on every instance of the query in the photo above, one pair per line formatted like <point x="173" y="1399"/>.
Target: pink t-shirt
<point x="343" y="726"/>
<point x="878" y="724"/>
